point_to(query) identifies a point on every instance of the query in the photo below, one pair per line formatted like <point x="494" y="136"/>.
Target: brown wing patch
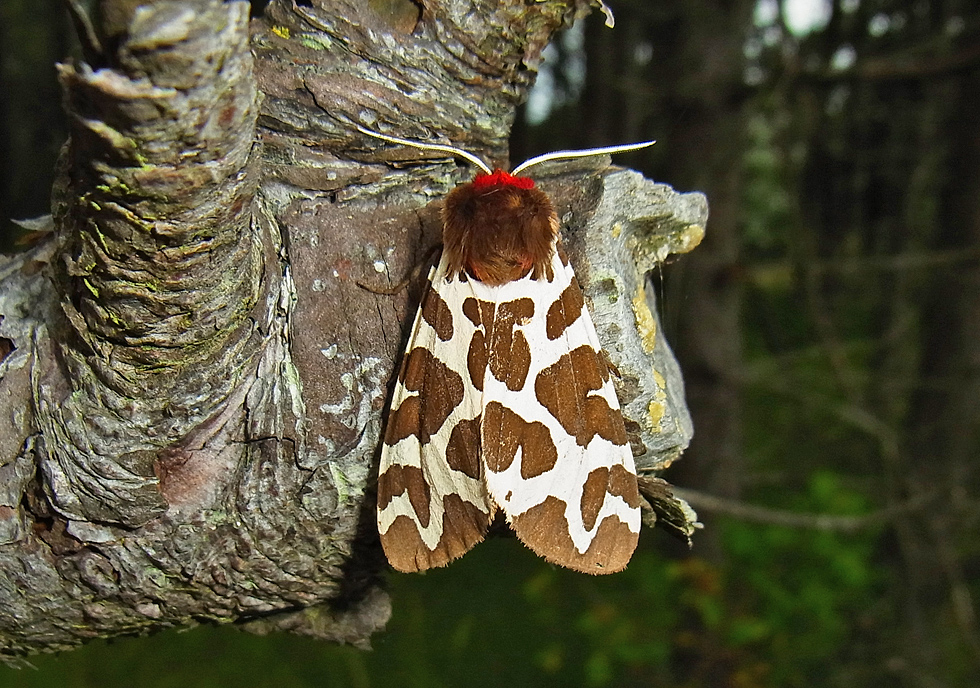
<point x="617" y="481"/>
<point x="562" y="256"/>
<point x="564" y="311"/>
<point x="544" y="529"/>
<point x="436" y="312"/>
<point x="477" y="358"/>
<point x="622" y="483"/>
<point x="443" y="392"/>
<point x="478" y="355"/>
<point x="499" y="345"/>
<point x="463" y="450"/>
<point x="399" y="479"/>
<point x="505" y="432"/>
<point x="510" y="354"/>
<point x="404" y="548"/>
<point x="477" y="311"/>
<point x="565" y="389"/>
<point x="593" y="495"/>
<point x="463" y="525"/>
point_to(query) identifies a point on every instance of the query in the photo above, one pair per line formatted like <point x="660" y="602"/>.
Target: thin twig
<point x="793" y="519"/>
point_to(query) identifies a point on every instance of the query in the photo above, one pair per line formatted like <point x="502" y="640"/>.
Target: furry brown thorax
<point x="498" y="228"/>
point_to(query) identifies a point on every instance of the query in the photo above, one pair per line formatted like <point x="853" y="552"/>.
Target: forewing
<point x="432" y="504"/>
<point x="555" y="453"/>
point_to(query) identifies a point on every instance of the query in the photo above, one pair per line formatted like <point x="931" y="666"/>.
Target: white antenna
<point x="557" y="155"/>
<point x="565" y="155"/>
<point x="428" y="146"/>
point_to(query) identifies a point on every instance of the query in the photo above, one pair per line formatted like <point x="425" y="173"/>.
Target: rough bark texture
<point x="192" y="382"/>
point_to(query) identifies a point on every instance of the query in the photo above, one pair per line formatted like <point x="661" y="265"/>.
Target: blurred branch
<point x="822" y="317"/>
<point x="857" y="416"/>
<point x="913" y="260"/>
<point x="926" y="60"/>
<point x="764" y="273"/>
<point x="922" y="65"/>
<point x="793" y="519"/>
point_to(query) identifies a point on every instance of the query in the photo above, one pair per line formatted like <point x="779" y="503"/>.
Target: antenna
<point x="428" y="146"/>
<point x="565" y="155"/>
<point x="547" y="157"/>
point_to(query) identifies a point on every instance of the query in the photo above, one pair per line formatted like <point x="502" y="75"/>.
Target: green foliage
<point x="795" y="594"/>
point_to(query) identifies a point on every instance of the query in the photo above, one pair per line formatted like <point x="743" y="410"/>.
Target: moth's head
<point x="498" y="228"/>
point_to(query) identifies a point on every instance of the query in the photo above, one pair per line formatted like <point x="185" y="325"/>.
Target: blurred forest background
<point x="829" y="332"/>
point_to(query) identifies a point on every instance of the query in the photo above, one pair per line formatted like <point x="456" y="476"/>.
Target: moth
<point x="504" y="400"/>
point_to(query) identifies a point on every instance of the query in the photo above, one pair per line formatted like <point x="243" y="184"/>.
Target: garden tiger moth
<point x="504" y="399"/>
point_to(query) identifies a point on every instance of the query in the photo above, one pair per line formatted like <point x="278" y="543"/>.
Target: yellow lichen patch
<point x="655" y="411"/>
<point x="661" y="382"/>
<point x="646" y="324"/>
<point x="617" y="229"/>
<point x="688" y="238"/>
<point x="658" y="405"/>
<point x="281" y="31"/>
<point x="652" y="246"/>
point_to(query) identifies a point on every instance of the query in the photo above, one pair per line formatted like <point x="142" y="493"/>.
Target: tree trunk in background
<point x="890" y="210"/>
<point x="703" y="89"/>
<point x="941" y="451"/>
<point x="674" y="71"/>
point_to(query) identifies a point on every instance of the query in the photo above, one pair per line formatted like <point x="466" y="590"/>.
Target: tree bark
<point x="192" y="382"/>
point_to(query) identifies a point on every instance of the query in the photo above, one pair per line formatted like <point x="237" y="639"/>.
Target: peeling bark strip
<point x="191" y="396"/>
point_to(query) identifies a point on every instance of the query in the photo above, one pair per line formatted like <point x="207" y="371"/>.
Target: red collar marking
<point x="501" y="178"/>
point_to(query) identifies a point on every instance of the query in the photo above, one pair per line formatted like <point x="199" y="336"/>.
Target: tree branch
<point x="792" y="519"/>
<point x="192" y="384"/>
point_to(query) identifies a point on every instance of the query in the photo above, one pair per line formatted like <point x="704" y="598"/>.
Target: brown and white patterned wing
<point x="556" y="457"/>
<point x="432" y="504"/>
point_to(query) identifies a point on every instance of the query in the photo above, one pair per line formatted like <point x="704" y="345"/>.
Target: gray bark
<point x="192" y="382"/>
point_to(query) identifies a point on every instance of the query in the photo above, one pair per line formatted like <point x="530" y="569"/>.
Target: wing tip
<point x="544" y="529"/>
<point x="464" y="525"/>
